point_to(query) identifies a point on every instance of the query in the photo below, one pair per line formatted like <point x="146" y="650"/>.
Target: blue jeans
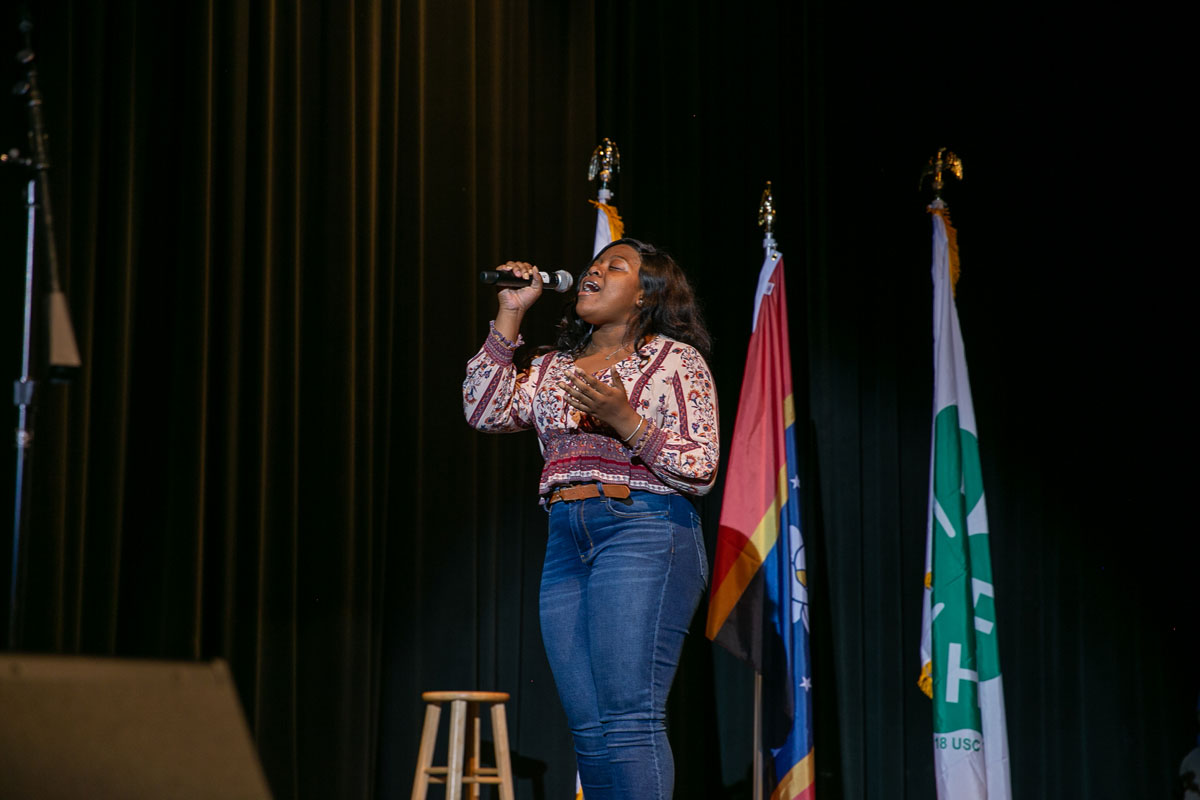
<point x="620" y="585"/>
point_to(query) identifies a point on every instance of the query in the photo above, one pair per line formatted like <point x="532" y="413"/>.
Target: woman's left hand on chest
<point x="607" y="403"/>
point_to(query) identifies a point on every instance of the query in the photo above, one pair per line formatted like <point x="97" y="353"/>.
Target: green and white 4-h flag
<point x="960" y="662"/>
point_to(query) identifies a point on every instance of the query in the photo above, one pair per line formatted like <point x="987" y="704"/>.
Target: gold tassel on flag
<point x="951" y="246"/>
<point x="616" y="226"/>
<point x="926" y="679"/>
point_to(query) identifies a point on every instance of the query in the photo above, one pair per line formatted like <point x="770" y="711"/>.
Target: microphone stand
<point x="63" y="355"/>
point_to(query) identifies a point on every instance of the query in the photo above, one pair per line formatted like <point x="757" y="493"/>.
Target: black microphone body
<point x="560" y="281"/>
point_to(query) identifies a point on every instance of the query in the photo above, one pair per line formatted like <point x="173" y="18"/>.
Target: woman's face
<point x="610" y="289"/>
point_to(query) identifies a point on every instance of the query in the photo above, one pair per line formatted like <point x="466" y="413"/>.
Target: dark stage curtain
<point x="271" y="215"/>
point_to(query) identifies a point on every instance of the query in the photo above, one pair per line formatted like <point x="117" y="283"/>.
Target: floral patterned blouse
<point x="668" y="384"/>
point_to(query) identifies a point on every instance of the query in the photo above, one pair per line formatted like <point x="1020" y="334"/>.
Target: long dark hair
<point x="669" y="306"/>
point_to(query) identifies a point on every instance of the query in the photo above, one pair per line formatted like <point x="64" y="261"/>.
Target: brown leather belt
<point x="585" y="491"/>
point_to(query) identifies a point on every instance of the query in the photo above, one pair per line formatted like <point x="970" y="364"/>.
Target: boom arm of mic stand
<point x="63" y="355"/>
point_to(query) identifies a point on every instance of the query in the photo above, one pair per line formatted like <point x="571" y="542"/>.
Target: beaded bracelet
<point x="504" y="340"/>
<point x="637" y="446"/>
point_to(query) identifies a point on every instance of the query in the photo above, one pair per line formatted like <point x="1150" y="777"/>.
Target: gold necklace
<point x="614" y="352"/>
<point x="610" y="355"/>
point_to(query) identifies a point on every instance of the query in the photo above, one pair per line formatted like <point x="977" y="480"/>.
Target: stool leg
<point x="503" y="758"/>
<point x="454" y="771"/>
<point x="473" y="726"/>
<point x="433" y="713"/>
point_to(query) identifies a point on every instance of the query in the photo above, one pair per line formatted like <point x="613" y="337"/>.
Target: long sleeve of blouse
<point x="669" y="385"/>
<point x="497" y="397"/>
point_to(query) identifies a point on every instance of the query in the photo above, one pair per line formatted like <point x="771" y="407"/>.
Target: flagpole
<point x="603" y="166"/>
<point x="766" y="218"/>
<point x="758" y="753"/>
<point x="968" y="703"/>
<point x="758" y="604"/>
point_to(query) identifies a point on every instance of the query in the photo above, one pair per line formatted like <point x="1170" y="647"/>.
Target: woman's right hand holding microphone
<point x="515" y="302"/>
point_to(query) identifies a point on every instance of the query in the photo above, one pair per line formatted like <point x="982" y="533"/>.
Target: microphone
<point x="560" y="281"/>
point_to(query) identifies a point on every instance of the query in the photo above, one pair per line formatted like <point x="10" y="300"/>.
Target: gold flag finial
<point x="944" y="161"/>
<point x="605" y="163"/>
<point x="766" y="211"/>
<point x="766" y="219"/>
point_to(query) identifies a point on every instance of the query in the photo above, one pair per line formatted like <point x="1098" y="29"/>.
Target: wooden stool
<point x="464" y="712"/>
